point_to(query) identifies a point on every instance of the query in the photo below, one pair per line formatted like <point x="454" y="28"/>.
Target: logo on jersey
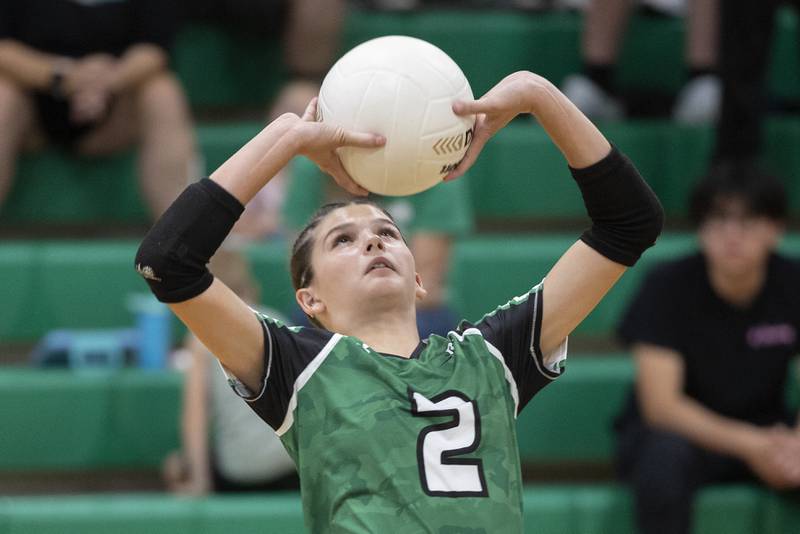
<point x="771" y="335"/>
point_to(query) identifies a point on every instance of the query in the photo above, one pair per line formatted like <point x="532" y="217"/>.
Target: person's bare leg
<point x="604" y="25"/>
<point x="702" y="35"/>
<point x="155" y="114"/>
<point x="16" y="118"/>
<point x="167" y="153"/>
<point x="312" y="39"/>
<point x="700" y="99"/>
<point x="313" y="35"/>
<point x="432" y="257"/>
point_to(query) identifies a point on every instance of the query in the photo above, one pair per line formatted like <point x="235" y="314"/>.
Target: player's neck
<point x="391" y="333"/>
<point x="738" y="289"/>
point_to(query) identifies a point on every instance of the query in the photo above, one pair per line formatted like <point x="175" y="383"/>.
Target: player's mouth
<point x="378" y="264"/>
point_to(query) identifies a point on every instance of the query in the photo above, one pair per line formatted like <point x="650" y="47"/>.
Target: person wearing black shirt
<point x="713" y="335"/>
<point x="93" y="77"/>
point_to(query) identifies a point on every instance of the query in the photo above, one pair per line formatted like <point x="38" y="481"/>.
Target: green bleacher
<point x="63" y="421"/>
<point x="74" y="284"/>
<point x="563" y="509"/>
<point x="519" y="176"/>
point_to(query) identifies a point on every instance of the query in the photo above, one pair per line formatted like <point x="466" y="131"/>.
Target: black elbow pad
<point x="174" y="255"/>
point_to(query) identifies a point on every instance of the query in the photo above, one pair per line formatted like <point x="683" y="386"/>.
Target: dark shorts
<point x="256" y="17"/>
<point x="53" y="115"/>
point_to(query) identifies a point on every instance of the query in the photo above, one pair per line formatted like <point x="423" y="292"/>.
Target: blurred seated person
<point x="310" y="32"/>
<point x="713" y="335"/>
<point x="225" y="447"/>
<point x="94" y="78"/>
<point x="594" y="90"/>
<point x="744" y="64"/>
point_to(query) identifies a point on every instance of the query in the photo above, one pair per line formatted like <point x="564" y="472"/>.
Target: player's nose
<point x="374" y="243"/>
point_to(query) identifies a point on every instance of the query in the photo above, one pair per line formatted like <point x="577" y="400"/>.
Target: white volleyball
<point x="402" y="88"/>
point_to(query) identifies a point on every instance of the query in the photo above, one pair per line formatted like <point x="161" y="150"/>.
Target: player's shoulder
<point x="786" y="265"/>
<point x="785" y="271"/>
<point x="275" y="324"/>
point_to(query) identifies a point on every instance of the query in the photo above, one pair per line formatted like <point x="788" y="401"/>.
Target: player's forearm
<point x="578" y="139"/>
<point x="136" y="65"/>
<point x="203" y="215"/>
<point x="257" y="162"/>
<point x="28" y="67"/>
<point x="704" y="427"/>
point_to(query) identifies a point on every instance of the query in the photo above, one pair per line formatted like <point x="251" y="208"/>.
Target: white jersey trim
<point x="549" y="365"/>
<point x="239" y="387"/>
<point x="301" y="380"/>
<point x="512" y="384"/>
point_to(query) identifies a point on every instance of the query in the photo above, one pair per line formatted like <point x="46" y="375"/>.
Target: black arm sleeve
<point x="626" y="215"/>
<point x="513" y="329"/>
<point x="173" y="256"/>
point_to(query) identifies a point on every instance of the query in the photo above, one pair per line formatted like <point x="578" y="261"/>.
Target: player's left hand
<point x="510" y="97"/>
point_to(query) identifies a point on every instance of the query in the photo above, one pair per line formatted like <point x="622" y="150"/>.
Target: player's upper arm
<point x="572" y="289"/>
<point x="659" y="379"/>
<point x="229" y="329"/>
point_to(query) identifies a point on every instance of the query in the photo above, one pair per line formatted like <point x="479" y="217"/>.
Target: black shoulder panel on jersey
<point x="514" y="330"/>
<point x="287" y="353"/>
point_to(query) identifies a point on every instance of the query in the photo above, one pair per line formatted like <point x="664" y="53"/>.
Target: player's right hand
<point x="318" y="141"/>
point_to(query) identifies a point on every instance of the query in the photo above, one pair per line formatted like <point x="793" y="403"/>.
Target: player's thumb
<point x="359" y="139"/>
<point x="471" y="107"/>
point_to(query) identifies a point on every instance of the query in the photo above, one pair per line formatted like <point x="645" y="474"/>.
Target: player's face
<point x="735" y="241"/>
<point x="360" y="261"/>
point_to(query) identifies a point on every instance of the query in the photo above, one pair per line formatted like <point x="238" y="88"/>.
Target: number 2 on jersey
<point x="440" y="447"/>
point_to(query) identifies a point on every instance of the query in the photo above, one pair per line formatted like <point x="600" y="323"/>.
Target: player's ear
<point x="308" y="302"/>
<point x="420" y="291"/>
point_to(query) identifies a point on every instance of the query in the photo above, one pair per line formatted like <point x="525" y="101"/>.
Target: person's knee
<point x="13" y="100"/>
<point x="162" y="98"/>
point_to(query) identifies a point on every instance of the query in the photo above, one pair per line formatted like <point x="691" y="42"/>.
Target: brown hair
<point x="300" y="262"/>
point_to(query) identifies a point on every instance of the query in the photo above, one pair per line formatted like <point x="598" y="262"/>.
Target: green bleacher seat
<point x="66" y="284"/>
<point x="92" y="420"/>
<point x="567" y="509"/>
<point x="69" y="421"/>
<point x="54" y="187"/>
<point x="519" y="262"/>
<point x="222" y="68"/>
<point x="570" y="421"/>
<point x="519" y="176"/>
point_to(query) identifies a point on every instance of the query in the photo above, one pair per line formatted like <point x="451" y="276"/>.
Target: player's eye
<point x="340" y="239"/>
<point x="388" y="231"/>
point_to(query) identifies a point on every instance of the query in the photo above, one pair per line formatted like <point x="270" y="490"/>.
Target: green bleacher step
<point x="223" y="68"/>
<point x="548" y="509"/>
<point x="66" y="284"/>
<point x="519" y="176"/>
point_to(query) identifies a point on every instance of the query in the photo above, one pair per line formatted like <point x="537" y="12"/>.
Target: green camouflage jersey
<point x="421" y="444"/>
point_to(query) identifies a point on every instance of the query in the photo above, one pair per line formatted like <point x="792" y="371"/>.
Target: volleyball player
<point x="391" y="433"/>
